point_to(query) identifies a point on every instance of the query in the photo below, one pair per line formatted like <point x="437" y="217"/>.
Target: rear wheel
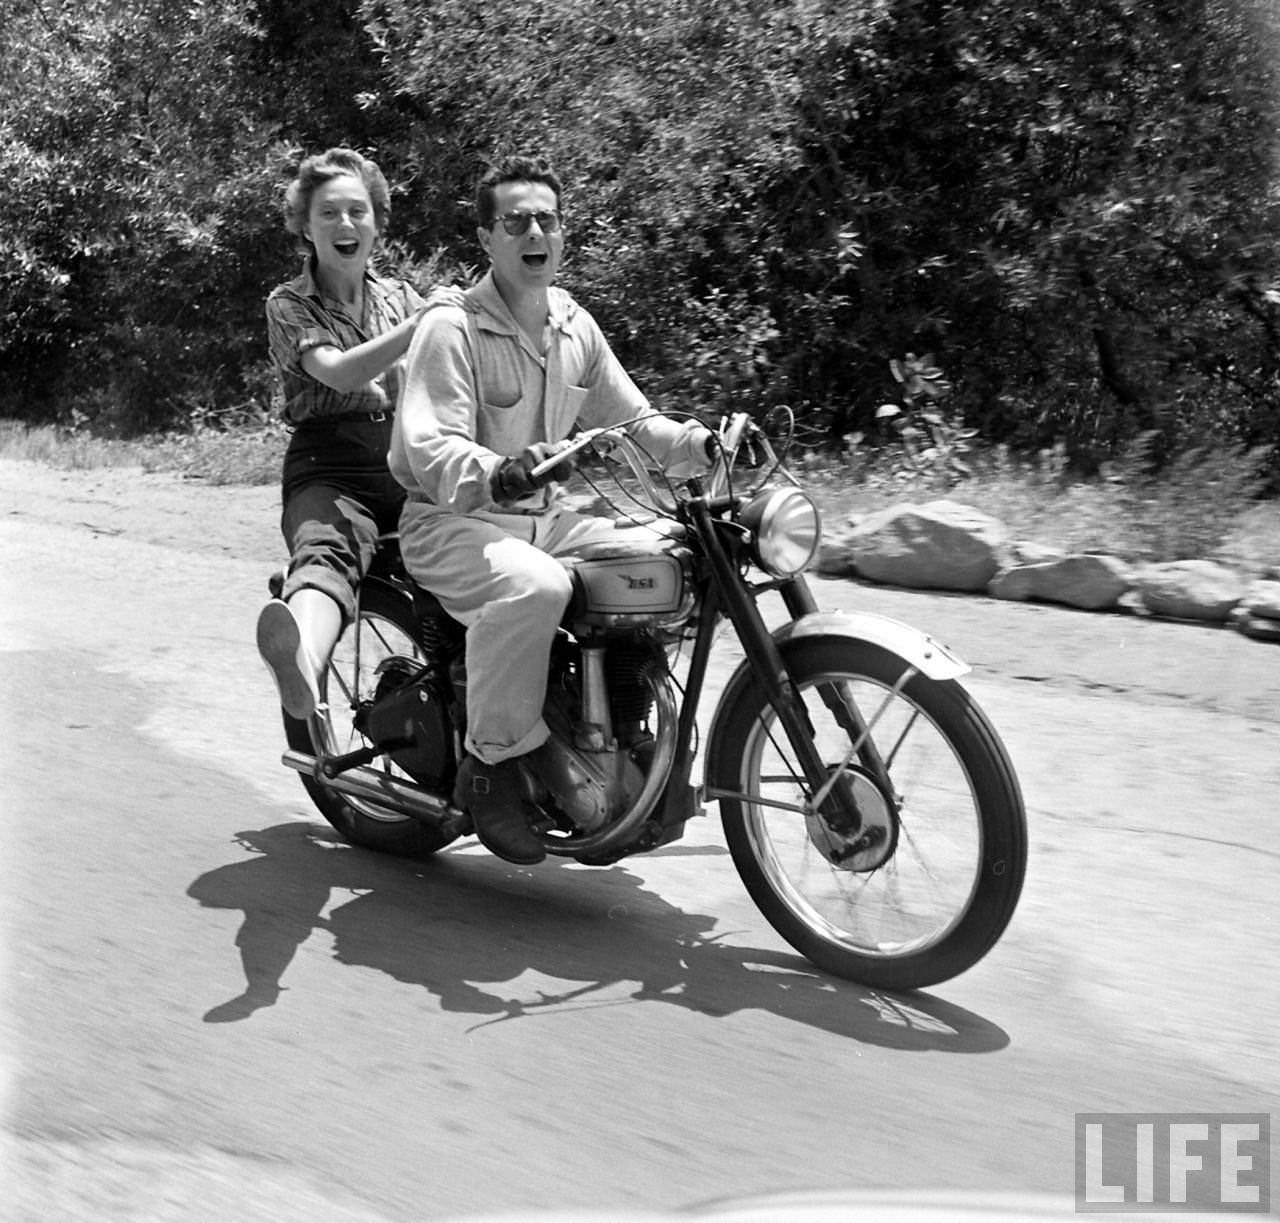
<point x="939" y="891"/>
<point x="384" y="628"/>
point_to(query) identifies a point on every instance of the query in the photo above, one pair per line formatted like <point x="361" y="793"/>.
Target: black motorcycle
<point x="869" y="804"/>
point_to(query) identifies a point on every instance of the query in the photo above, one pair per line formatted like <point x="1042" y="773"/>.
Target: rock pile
<point x="945" y="545"/>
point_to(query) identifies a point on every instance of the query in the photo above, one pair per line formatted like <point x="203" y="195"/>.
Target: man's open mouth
<point x="535" y="260"/>
<point x="346" y="248"/>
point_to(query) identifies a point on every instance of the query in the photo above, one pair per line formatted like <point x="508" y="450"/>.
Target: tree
<point x="1072" y="207"/>
<point x="140" y="160"/>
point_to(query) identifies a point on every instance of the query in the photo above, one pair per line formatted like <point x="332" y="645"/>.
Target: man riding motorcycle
<point x="491" y="389"/>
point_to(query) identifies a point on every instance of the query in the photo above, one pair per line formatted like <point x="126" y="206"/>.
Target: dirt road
<point x="212" y="1011"/>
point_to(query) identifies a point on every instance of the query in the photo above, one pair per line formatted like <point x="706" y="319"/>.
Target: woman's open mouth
<point x="347" y="249"/>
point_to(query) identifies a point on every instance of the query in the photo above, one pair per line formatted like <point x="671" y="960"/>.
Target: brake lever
<point x="734" y="430"/>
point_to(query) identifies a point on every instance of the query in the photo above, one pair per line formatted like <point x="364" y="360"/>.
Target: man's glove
<point x="706" y="442"/>
<point x="514" y="478"/>
<point x="751" y="451"/>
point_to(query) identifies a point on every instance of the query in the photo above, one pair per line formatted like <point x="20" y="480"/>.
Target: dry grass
<point x="243" y="456"/>
<point x="1205" y="506"/>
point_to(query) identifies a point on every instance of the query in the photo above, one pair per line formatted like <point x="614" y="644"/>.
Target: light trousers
<point x="504" y="577"/>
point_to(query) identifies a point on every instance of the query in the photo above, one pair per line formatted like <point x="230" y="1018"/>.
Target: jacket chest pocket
<point x="510" y="410"/>
<point x="507" y="429"/>
<point x="510" y="400"/>
<point x="501" y="386"/>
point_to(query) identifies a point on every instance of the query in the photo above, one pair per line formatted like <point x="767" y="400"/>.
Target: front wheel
<point x="385" y="627"/>
<point x="933" y="776"/>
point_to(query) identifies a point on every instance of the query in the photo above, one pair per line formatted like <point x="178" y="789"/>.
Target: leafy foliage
<point x="1073" y="207"/>
<point x="137" y="164"/>
<point x="932" y="440"/>
<point x="146" y="164"/>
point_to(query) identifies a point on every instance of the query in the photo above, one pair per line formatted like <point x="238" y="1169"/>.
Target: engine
<point x="602" y="745"/>
<point x="599" y="762"/>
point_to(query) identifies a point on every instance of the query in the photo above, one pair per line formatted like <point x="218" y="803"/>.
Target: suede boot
<point x="500" y="798"/>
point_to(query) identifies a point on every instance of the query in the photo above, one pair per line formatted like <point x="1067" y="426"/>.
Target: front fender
<point x="918" y="649"/>
<point x="936" y="660"/>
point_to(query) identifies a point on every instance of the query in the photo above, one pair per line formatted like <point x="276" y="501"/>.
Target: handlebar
<point x="732" y="432"/>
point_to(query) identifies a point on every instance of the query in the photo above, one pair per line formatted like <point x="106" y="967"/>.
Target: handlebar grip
<point x="580" y="442"/>
<point x="536" y="473"/>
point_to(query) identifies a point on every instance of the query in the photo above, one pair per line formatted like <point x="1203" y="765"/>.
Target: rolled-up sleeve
<point x="293" y="328"/>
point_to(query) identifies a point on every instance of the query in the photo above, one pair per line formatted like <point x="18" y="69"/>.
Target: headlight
<point x="785" y="530"/>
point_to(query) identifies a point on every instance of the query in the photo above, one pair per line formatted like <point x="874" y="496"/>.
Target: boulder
<point x="1261" y="628"/>
<point x="1190" y="590"/>
<point x="1262" y="599"/>
<point x="834" y="559"/>
<point x="939" y="546"/>
<point x="1027" y="552"/>
<point x="1017" y="583"/>
<point x="1089" y="581"/>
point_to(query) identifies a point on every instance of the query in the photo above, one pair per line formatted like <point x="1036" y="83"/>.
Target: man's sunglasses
<point x="517" y="223"/>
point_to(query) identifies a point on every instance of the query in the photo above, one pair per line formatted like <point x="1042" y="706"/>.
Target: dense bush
<point x="1072" y="207"/>
<point x="145" y="146"/>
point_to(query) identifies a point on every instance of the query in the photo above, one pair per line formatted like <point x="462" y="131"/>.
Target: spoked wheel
<point x="928" y="892"/>
<point x="384" y="628"/>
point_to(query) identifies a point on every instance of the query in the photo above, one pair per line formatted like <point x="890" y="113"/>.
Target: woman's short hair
<point x="319" y="169"/>
<point x="511" y="170"/>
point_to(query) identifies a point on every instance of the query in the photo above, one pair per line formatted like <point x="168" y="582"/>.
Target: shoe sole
<point x="280" y="645"/>
<point x="518" y="857"/>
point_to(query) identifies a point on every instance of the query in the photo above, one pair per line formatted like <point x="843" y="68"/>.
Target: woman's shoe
<point x="280" y="644"/>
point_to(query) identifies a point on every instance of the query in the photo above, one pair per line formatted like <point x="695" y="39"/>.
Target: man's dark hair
<point x="511" y="170"/>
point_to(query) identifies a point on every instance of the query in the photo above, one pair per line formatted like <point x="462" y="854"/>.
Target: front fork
<point x="770" y="670"/>
<point x="798" y="599"/>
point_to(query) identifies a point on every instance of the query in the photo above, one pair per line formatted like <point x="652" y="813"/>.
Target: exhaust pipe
<point x="376" y="787"/>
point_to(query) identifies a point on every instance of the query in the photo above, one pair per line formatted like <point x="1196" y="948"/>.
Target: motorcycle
<point x="869" y="805"/>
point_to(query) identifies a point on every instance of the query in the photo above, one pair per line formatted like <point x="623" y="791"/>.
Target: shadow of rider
<point x="469" y="929"/>
<point x="282" y="895"/>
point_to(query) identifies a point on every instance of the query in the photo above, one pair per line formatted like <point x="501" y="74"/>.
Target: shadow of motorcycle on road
<point x="469" y="928"/>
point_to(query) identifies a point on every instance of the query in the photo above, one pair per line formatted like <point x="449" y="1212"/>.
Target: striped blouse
<point x="300" y="317"/>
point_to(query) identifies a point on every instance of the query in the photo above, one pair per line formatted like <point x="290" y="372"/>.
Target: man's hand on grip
<point x="515" y="479"/>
